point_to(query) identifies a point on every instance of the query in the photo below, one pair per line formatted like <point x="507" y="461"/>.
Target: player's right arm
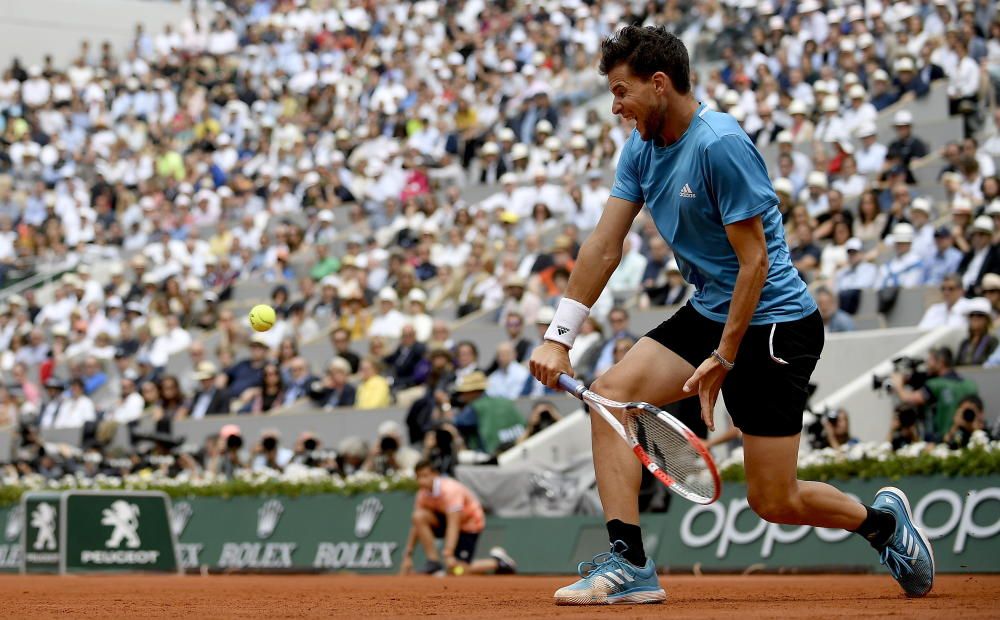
<point x="597" y="260"/>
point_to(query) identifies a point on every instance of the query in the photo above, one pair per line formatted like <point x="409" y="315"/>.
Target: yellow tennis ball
<point x="459" y="571"/>
<point x="262" y="318"/>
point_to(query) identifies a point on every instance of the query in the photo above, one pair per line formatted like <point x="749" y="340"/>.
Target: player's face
<point x="637" y="100"/>
<point x="425" y="478"/>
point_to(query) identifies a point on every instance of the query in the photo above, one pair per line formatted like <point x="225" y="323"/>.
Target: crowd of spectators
<point x="390" y="168"/>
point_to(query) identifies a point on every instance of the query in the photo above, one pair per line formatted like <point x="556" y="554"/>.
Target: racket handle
<point x="571" y="385"/>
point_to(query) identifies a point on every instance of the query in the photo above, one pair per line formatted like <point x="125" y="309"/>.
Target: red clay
<point x="326" y="596"/>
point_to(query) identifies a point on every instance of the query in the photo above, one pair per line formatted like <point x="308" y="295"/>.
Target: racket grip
<point x="571" y="385"/>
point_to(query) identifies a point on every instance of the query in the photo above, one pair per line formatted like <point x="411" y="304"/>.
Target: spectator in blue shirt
<point x="944" y="260"/>
<point x="883" y="92"/>
<point x="834" y="319"/>
<point x="249" y="372"/>
<point x="94" y="377"/>
<point x="618" y="319"/>
<point x="510" y="379"/>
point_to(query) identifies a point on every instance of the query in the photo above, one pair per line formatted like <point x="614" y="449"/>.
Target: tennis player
<point x="750" y="330"/>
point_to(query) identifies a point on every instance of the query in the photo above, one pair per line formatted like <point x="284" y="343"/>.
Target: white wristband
<point x="569" y="317"/>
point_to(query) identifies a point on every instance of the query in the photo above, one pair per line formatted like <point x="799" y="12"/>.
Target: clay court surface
<point x="337" y="596"/>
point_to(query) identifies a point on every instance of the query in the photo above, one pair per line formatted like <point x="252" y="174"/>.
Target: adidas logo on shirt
<point x="686" y="191"/>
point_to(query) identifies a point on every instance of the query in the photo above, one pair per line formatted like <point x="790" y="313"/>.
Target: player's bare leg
<point x="777" y="495"/>
<point x="649" y="372"/>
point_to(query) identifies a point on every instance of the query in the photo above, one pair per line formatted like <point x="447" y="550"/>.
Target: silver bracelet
<point x="723" y="361"/>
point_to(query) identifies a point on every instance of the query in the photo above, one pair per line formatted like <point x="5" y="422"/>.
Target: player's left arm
<point x="451" y="530"/>
<point x="750" y="246"/>
<point x="737" y="179"/>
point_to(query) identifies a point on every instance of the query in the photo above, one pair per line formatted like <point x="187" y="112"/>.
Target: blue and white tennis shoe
<point x="908" y="556"/>
<point x="610" y="579"/>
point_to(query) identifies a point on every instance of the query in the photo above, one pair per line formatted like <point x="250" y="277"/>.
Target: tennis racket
<point x="664" y="445"/>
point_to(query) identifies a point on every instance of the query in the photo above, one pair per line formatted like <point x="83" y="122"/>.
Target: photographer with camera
<point x="309" y="452"/>
<point x="837" y="429"/>
<point x="229" y="458"/>
<point x="938" y="396"/>
<point x="904" y="429"/>
<point x="543" y="415"/>
<point x="389" y="454"/>
<point x="268" y="454"/>
<point x="969" y="418"/>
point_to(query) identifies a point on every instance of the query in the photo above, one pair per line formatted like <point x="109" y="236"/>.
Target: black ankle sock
<point x="878" y="527"/>
<point x="631" y="535"/>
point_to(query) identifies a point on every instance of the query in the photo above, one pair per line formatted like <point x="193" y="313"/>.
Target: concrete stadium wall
<point x="30" y="29"/>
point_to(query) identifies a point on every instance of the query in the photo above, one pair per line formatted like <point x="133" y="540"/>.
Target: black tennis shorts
<point x="767" y="390"/>
<point x="465" y="548"/>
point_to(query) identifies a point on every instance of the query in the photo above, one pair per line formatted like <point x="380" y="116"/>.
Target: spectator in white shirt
<point x="417" y="317"/>
<point x="860" y="111"/>
<point x="389" y="321"/>
<point x="951" y="311"/>
<point x="834" y="255"/>
<point x="130" y="403"/>
<point x="923" y="237"/>
<point x="36" y="90"/>
<point x="541" y="191"/>
<point x="963" y="84"/>
<point x="904" y="269"/>
<point x="626" y="279"/>
<point x="991" y="147"/>
<point x="507" y="197"/>
<point x="595" y="194"/>
<point x="814" y="195"/>
<point x="870" y="156"/>
<point x="176" y="338"/>
<point x="850" y="183"/>
<point x="77" y="409"/>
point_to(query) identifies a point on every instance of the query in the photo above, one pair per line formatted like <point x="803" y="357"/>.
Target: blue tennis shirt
<point x="711" y="177"/>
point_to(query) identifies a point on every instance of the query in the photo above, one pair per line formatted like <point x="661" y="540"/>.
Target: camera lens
<point x="389" y="444"/>
<point x="969" y="415"/>
<point x="269" y="443"/>
<point x="309" y="444"/>
<point x="234" y="442"/>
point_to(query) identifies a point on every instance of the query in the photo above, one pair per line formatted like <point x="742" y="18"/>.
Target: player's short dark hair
<point x="426" y="464"/>
<point x="647" y="50"/>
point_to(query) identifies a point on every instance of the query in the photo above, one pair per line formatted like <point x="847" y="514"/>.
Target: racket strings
<point x="671" y="451"/>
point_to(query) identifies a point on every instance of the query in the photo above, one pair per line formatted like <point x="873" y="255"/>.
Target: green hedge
<point x="978" y="460"/>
